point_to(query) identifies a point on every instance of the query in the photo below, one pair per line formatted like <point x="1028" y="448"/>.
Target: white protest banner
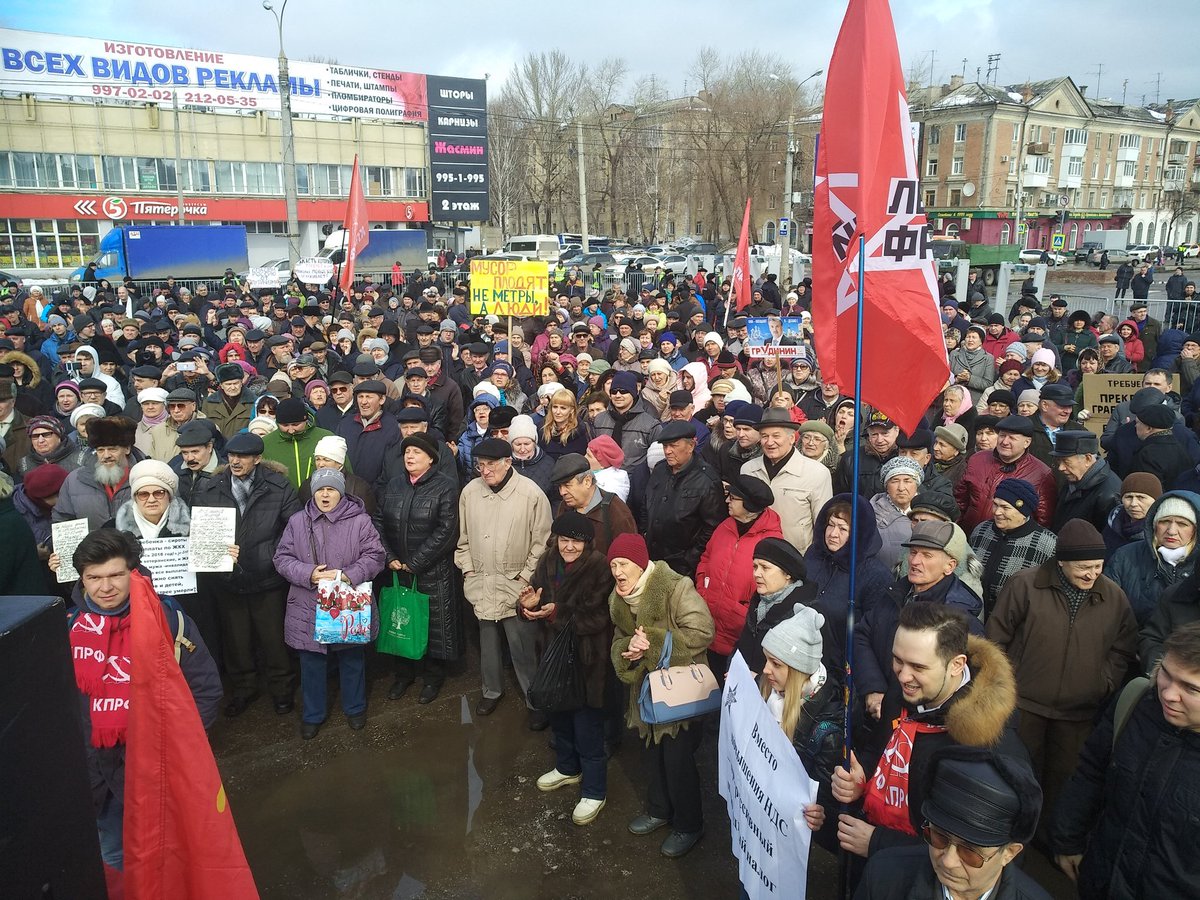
<point x="213" y="530"/>
<point x="66" y="537"/>
<point x="313" y="270"/>
<point x="167" y="560"/>
<point x="766" y="789"/>
<point x="260" y="277"/>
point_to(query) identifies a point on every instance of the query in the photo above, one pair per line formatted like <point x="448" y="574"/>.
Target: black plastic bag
<point x="558" y="683"/>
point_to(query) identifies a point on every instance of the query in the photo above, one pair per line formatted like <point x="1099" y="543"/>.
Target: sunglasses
<point x="157" y="494"/>
<point x="940" y="840"/>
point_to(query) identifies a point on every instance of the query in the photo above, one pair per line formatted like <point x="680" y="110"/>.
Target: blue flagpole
<point x="848" y="687"/>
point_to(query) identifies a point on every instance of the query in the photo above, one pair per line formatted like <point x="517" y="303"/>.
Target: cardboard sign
<point x="314" y="270"/>
<point x="1102" y="394"/>
<point x="263" y="277"/>
<point x="509" y="287"/>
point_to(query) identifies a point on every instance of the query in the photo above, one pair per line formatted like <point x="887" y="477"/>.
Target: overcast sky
<point x="1035" y="38"/>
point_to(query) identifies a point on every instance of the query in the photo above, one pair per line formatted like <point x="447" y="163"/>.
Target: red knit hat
<point x="44" y="481"/>
<point x="607" y="451"/>
<point x="631" y="547"/>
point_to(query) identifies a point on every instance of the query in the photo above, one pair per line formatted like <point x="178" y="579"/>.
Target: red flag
<point x="180" y="839"/>
<point x="868" y="184"/>
<point x="357" y="229"/>
<point x="741" y="265"/>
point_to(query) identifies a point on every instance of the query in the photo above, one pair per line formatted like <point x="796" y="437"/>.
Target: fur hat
<point x="111" y="431"/>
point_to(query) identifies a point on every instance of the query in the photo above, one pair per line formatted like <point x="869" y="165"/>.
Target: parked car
<point x="1115" y="257"/>
<point x="676" y="262"/>
<point x="1191" y="251"/>
<point x="1143" y="252"/>
<point x="648" y="264"/>
<point x="1083" y="253"/>
<point x="1033" y="255"/>
<point x="587" y="260"/>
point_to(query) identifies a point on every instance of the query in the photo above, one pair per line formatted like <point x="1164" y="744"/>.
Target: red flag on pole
<point x="741" y="265"/>
<point x="357" y="227"/>
<point x="868" y="184"/>
<point x="180" y="840"/>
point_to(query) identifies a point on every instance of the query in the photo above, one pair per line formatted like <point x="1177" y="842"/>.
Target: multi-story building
<point x="1019" y="164"/>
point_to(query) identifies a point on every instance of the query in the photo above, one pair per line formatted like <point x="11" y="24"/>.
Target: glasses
<point x="42" y="436"/>
<point x="489" y="464"/>
<point x="156" y="494"/>
<point x="940" y="840"/>
<point x="340" y="388"/>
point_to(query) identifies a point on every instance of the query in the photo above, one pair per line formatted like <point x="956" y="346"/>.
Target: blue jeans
<point x="579" y="747"/>
<point x="110" y="825"/>
<point x="352" y="673"/>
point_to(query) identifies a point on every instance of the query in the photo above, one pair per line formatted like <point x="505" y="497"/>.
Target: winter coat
<point x="1066" y="665"/>
<point x="1073" y="343"/>
<point x="164" y="439"/>
<point x="580" y="596"/>
<point x="1123" y="447"/>
<point x="1121" y="530"/>
<point x="228" y="419"/>
<point x="82" y="497"/>
<point x="502" y="535"/>
<point x="829" y="573"/>
<point x="21" y="572"/>
<point x="634" y="431"/>
<point x="1161" y="456"/>
<point x="16" y="442"/>
<point x="1130" y="809"/>
<point x="681" y="512"/>
<point x="419" y="526"/>
<point x="749" y="642"/>
<point x="270" y="506"/>
<point x="980" y="366"/>
<point x="1141" y="572"/>
<point x="870" y="479"/>
<point x="906" y="873"/>
<point x="178" y="519"/>
<point x="980" y="713"/>
<point x="894" y="529"/>
<point x="725" y="577"/>
<point x="554" y="448"/>
<point x="537" y="469"/>
<point x="668" y="602"/>
<point x="36" y="517"/>
<point x="68" y="456"/>
<point x="1092" y="498"/>
<point x="985" y="470"/>
<point x="996" y="345"/>
<point x="295" y="452"/>
<point x="802" y="487"/>
<point x="875" y="632"/>
<point x="368" y="448"/>
<point x="1179" y="605"/>
<point x="1005" y="553"/>
<point x="1133" y="349"/>
<point x="343" y="538"/>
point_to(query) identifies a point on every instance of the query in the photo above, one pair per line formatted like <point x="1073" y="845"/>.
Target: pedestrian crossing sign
<point x="1058" y="241"/>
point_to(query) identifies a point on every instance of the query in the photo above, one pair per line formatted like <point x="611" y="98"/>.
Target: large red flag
<point x="180" y="839"/>
<point x="357" y="226"/>
<point x="868" y="184"/>
<point x="741" y="265"/>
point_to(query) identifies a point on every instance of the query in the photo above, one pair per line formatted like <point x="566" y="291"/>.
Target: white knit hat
<point x="522" y="427"/>
<point x="152" y="473"/>
<point x="486" y="387"/>
<point x="331" y="447"/>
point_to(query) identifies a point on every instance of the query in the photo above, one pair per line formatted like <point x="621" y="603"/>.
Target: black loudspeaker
<point x="48" y="842"/>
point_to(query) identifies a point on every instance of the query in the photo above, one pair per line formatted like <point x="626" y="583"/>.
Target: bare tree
<point x="507" y="162"/>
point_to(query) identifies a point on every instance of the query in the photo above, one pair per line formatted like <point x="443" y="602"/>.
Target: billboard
<point x="57" y="65"/>
<point x="458" y="157"/>
<point x="509" y="287"/>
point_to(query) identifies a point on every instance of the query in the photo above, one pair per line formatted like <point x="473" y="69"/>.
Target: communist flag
<point x="868" y="185"/>
<point x="357" y="227"/>
<point x="742" y="281"/>
<point x="180" y="839"/>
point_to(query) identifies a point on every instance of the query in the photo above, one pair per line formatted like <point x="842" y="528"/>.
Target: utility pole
<point x="178" y="159"/>
<point x="583" y="222"/>
<point x="785" y="240"/>
<point x="286" y="138"/>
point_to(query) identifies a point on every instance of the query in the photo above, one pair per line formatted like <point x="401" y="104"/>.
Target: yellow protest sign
<point x="509" y="287"/>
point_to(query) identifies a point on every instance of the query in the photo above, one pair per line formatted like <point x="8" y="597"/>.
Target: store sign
<point x="458" y="153"/>
<point x="58" y="65"/>
<point x="118" y="209"/>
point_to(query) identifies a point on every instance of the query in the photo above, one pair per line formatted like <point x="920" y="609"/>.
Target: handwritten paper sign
<point x="509" y="287"/>
<point x="66" y="537"/>
<point x="167" y="560"/>
<point x="213" y="530"/>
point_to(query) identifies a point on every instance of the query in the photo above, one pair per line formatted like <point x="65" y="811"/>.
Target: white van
<point x="534" y="246"/>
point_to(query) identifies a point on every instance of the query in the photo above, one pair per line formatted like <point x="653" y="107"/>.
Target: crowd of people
<point x="1026" y="646"/>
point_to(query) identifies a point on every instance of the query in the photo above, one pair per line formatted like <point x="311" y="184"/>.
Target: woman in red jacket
<point x="725" y="574"/>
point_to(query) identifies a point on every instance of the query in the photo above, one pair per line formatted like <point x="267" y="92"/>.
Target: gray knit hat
<point x="797" y="641"/>
<point x="901" y="465"/>
<point x="329" y="478"/>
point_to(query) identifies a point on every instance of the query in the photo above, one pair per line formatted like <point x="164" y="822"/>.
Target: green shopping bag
<point x="403" y="620"/>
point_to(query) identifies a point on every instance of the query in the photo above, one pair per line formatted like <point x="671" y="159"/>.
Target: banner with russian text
<point x="766" y="788"/>
<point x="509" y="287"/>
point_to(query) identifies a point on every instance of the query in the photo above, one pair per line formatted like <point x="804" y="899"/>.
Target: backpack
<point x="1126" y="701"/>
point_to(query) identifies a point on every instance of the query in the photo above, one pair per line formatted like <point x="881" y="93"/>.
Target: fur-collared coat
<point x="668" y="602"/>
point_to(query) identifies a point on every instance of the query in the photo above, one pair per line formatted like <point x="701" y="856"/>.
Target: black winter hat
<point x="422" y="442"/>
<point x="575" y="526"/>
<point x="493" y="448"/>
<point x="981" y="796"/>
<point x="755" y="494"/>
<point x="1079" y="541"/>
<point x="779" y="552"/>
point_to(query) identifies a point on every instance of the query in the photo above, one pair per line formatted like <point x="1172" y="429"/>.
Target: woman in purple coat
<point x="331" y="536"/>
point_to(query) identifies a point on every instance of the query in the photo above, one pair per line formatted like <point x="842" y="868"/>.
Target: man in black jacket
<point x="1091" y="488"/>
<point x="878" y="448"/>
<point x="684" y="501"/>
<point x="250" y="600"/>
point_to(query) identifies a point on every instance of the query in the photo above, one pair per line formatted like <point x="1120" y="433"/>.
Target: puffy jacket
<point x="1130" y="809"/>
<point x="343" y="538"/>
<point x="1139" y="570"/>
<point x="802" y="487"/>
<point x="419" y="526"/>
<point x="502" y="535"/>
<point x="985" y="470"/>
<point x="1066" y="665"/>
<point x="82" y="497"/>
<point x="829" y="574"/>
<point x="1092" y="498"/>
<point x="271" y="504"/>
<point x="725" y="576"/>
<point x="295" y="451"/>
<point x="681" y="512"/>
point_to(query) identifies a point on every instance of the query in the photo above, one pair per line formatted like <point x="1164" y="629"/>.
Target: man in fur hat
<point x="97" y="491"/>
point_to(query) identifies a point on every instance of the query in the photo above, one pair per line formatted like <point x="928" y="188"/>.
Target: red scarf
<point x="886" y="801"/>
<point x="100" y="651"/>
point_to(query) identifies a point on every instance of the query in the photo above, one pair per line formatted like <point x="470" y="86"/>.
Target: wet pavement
<point x="431" y="802"/>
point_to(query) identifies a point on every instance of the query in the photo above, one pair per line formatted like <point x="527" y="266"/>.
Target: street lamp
<point x="289" y="148"/>
<point x="785" y="241"/>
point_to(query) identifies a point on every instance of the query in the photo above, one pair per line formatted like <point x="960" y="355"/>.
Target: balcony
<point x="1173" y="186"/>
<point x="1176" y="159"/>
<point x="1123" y="181"/>
<point x="1038" y="148"/>
<point x="1128" y="154"/>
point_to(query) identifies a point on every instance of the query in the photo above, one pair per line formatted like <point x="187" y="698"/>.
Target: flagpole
<point x="848" y="687"/>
